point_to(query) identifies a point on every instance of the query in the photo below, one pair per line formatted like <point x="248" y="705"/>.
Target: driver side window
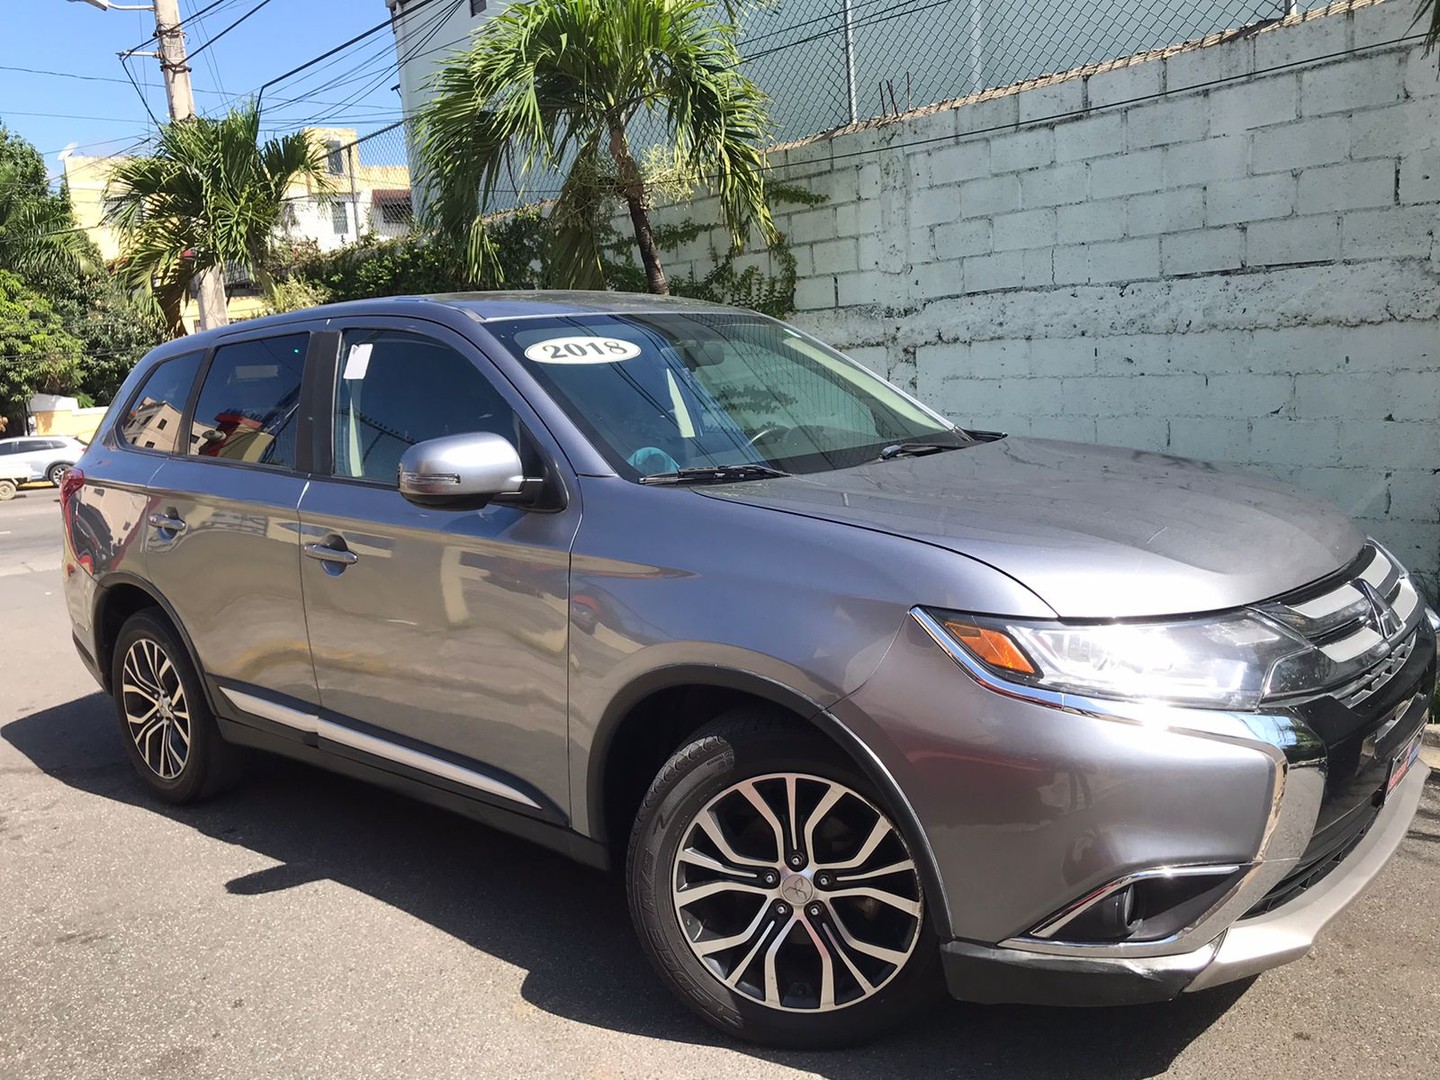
<point x="397" y="389"/>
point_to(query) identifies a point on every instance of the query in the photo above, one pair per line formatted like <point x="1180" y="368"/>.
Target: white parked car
<point x="45" y="457"/>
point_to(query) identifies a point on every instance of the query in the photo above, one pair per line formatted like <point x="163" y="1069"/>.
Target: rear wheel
<point x="169" y="732"/>
<point x="7" y="490"/>
<point x="56" y="472"/>
<point x="773" y="891"/>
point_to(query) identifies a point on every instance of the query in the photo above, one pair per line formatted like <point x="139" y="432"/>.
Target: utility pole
<point x="173" y="64"/>
<point x="210" y="296"/>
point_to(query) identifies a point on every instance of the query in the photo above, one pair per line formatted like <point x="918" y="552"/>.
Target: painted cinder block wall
<point x="1229" y="252"/>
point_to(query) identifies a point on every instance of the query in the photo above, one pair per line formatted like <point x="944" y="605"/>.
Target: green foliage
<point x="64" y="268"/>
<point x="548" y="82"/>
<point x="296" y="294"/>
<point x="212" y="195"/>
<point x="37" y="233"/>
<point x="115" y="329"/>
<point x="750" y="287"/>
<point x="420" y="264"/>
<point x="37" y="356"/>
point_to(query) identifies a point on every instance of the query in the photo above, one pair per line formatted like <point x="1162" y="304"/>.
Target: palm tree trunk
<point x="211" y="299"/>
<point x="632" y="187"/>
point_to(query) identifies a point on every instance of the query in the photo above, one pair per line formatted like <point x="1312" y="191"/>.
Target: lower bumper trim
<point x="1285" y="934"/>
<point x="993" y="975"/>
<point x="999" y="974"/>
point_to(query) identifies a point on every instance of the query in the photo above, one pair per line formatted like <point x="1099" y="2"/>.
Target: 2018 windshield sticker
<point x="582" y="350"/>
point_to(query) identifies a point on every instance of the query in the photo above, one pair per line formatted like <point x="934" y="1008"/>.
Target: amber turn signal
<point x="994" y="647"/>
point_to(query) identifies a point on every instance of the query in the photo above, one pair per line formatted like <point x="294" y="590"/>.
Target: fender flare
<point x="103" y="590"/>
<point x="812" y="712"/>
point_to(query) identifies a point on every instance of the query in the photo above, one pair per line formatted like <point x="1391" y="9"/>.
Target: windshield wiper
<point x="714" y="474"/>
<point x="916" y="449"/>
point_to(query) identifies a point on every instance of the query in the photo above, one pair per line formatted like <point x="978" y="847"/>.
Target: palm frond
<point x="211" y="195"/>
<point x="1428" y="14"/>
<point x="548" y="82"/>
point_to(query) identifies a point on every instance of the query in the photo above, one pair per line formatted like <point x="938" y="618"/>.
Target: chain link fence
<point x="828" y="63"/>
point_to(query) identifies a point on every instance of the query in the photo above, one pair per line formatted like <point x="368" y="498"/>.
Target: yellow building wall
<point x="78" y="423"/>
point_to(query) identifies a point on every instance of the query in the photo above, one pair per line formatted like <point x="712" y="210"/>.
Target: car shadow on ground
<point x="567" y="925"/>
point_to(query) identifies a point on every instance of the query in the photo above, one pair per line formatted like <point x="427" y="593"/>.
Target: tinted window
<point x="153" y="419"/>
<point x="398" y="389"/>
<point x="248" y="408"/>
<point x="9" y="447"/>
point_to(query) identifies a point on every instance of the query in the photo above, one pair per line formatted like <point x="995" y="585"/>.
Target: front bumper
<point x="994" y="974"/>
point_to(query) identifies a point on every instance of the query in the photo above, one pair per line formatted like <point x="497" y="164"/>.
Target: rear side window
<point x="250" y="401"/>
<point x="397" y="389"/>
<point x="153" y="420"/>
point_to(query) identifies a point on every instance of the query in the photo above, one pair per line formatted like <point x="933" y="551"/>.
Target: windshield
<point x="662" y="393"/>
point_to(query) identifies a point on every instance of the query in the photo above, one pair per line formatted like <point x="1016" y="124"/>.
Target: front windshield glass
<point x="661" y="393"/>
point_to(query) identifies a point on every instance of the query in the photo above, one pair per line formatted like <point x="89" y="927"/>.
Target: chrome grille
<point x="1365" y="625"/>
<point x="1379" y="675"/>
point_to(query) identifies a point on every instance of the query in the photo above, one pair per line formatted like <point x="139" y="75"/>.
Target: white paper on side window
<point x="582" y="350"/>
<point x="357" y="361"/>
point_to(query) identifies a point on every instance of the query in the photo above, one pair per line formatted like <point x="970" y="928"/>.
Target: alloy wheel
<point x="156" y="711"/>
<point x="798" y="892"/>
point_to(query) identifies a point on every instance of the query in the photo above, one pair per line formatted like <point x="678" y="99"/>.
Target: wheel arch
<point x="117" y="598"/>
<point x="643" y="722"/>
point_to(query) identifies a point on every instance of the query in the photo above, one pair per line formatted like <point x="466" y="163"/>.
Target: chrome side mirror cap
<point x="461" y="471"/>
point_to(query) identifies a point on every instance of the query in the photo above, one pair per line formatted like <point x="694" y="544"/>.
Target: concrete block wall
<point x="1229" y="252"/>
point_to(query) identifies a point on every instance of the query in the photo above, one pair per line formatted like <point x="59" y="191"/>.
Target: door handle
<point x="166" y="522"/>
<point x="328" y="554"/>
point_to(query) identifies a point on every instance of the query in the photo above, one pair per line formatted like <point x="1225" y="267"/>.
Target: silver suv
<point x="859" y="701"/>
<point x="39" y="457"/>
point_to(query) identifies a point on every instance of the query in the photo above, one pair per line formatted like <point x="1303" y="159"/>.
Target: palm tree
<point x="1432" y="32"/>
<point x="552" y="81"/>
<point x="210" y="197"/>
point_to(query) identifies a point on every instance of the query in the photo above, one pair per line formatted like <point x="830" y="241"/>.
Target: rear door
<point x="222" y="526"/>
<point x="440" y="643"/>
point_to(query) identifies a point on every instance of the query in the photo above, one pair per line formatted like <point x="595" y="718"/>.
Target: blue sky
<point x="108" y="115"/>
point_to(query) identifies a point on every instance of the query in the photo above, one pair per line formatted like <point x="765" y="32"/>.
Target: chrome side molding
<point x="314" y="724"/>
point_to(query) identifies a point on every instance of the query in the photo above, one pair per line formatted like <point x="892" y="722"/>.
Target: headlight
<point x="1231" y="662"/>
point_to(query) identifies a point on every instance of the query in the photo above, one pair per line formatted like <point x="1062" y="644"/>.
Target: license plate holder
<point x="1403" y="762"/>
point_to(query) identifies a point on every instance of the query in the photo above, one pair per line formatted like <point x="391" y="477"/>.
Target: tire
<point x="166" y="726"/>
<point x="712" y="779"/>
<point x="7" y="490"/>
<point x="56" y="473"/>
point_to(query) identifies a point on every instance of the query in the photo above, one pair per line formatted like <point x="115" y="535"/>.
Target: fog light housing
<point x="1147" y="906"/>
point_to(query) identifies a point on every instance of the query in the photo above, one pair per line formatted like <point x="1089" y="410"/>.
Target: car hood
<point x="1094" y="531"/>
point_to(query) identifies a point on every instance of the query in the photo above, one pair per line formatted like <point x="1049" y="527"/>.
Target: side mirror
<point x="461" y="471"/>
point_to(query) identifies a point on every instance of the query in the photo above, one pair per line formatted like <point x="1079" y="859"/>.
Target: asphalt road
<point x="30" y="531"/>
<point x="310" y="926"/>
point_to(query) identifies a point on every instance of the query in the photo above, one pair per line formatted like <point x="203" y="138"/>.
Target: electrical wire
<point x="206" y="44"/>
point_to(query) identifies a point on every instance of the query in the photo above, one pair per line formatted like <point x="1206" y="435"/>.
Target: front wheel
<point x="56" y="473"/>
<point x="772" y="890"/>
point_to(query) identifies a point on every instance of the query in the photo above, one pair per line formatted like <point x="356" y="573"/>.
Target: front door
<point x="438" y="636"/>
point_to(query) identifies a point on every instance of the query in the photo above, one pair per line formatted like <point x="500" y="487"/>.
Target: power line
<point x="436" y="24"/>
<point x="125" y="67"/>
<point x="210" y="58"/>
<point x="205" y="45"/>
